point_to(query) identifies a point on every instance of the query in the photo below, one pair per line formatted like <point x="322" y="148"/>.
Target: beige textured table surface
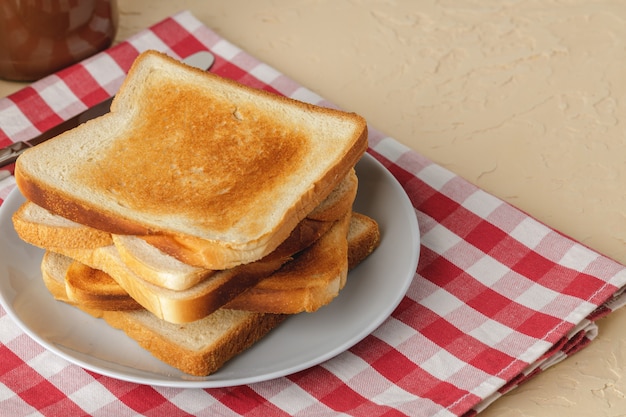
<point x="526" y="99"/>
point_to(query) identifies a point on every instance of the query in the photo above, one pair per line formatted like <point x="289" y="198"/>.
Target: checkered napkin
<point x="496" y="298"/>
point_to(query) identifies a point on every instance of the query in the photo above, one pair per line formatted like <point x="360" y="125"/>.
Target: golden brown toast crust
<point x="42" y="231"/>
<point x="229" y="166"/>
<point x="239" y="330"/>
<point x="312" y="280"/>
<point x="364" y="233"/>
<point x="289" y="291"/>
<point x="208" y="295"/>
<point x="239" y="338"/>
<point x="95" y="289"/>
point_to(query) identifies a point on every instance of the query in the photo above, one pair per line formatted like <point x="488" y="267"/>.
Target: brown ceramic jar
<point x="39" y="37"/>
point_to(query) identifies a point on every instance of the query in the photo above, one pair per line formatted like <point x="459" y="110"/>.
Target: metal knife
<point x="203" y="60"/>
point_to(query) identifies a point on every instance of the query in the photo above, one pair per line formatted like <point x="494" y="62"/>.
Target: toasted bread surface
<point x="311" y="280"/>
<point x="190" y="155"/>
<point x="53" y="269"/>
<point x="304" y="284"/>
<point x="363" y="236"/>
<point x="173" y="270"/>
<point x="95" y="289"/>
<point x="208" y="295"/>
<point x="41" y="227"/>
<point x="199" y="348"/>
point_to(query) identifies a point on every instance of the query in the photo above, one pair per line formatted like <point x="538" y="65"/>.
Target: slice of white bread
<point x="53" y="269"/>
<point x="199" y="348"/>
<point x="315" y="277"/>
<point x="166" y="271"/>
<point x="306" y="283"/>
<point x="39" y="227"/>
<point x="363" y="238"/>
<point x="187" y="156"/>
<point x="75" y="283"/>
<point x="311" y="280"/>
<point x="80" y="282"/>
<point x="208" y="295"/>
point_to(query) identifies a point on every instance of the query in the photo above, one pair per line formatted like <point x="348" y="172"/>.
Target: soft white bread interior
<point x="189" y="156"/>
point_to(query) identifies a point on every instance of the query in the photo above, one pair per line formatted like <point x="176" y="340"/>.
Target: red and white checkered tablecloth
<point x="497" y="296"/>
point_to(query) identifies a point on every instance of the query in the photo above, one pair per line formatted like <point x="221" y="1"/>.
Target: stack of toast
<point x="199" y="213"/>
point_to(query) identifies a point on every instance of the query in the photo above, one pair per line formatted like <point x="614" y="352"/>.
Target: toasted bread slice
<point x="208" y="295"/>
<point x="164" y="270"/>
<point x="199" y="348"/>
<point x="94" y="289"/>
<point x="315" y="277"/>
<point x="363" y="238"/>
<point x="40" y="227"/>
<point x="53" y="269"/>
<point x="310" y="281"/>
<point x="305" y="283"/>
<point x="221" y="168"/>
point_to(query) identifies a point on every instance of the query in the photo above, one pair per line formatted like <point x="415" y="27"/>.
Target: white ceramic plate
<point x="372" y="292"/>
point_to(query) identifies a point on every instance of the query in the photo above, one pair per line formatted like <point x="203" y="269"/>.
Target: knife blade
<point x="203" y="60"/>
